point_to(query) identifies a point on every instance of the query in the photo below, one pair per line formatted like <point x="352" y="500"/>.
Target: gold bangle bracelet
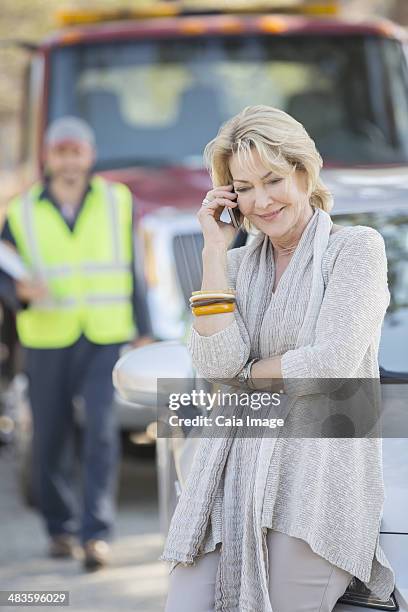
<point x="212" y="296"/>
<point x="205" y="291"/>
<point x="210" y="309"/>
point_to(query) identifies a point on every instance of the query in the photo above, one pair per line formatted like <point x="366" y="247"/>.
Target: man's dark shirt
<point x="140" y="308"/>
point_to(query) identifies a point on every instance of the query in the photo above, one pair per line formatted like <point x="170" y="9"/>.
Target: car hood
<point x="355" y="188"/>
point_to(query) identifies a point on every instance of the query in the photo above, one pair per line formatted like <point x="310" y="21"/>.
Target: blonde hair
<point x="283" y="146"/>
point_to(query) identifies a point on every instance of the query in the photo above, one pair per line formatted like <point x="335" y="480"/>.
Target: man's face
<point x="70" y="161"/>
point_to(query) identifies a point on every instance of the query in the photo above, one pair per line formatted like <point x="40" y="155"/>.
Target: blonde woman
<point x="281" y="523"/>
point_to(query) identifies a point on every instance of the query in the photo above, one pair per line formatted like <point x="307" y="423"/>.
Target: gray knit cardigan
<point x="329" y="491"/>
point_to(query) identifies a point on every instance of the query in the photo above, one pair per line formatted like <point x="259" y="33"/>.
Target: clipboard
<point x="12" y="263"/>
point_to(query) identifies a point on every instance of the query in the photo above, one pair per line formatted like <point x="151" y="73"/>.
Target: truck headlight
<point x="358" y="595"/>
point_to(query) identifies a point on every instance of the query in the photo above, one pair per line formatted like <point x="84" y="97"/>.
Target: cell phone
<point x="235" y="215"/>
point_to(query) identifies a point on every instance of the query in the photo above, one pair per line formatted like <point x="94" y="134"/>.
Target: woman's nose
<point x="262" y="198"/>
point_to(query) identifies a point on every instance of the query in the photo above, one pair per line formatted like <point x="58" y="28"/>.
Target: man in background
<point x="84" y="299"/>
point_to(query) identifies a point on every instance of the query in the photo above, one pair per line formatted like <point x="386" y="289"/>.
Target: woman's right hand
<point x="216" y="232"/>
<point x="29" y="290"/>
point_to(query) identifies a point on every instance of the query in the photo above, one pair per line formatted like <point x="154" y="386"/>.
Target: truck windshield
<point x="160" y="101"/>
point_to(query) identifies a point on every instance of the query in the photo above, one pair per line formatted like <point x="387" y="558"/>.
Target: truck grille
<point x="187" y="250"/>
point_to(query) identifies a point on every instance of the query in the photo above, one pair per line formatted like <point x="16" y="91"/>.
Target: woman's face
<point x="273" y="204"/>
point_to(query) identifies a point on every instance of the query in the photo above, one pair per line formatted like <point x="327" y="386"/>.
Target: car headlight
<point x="357" y="594"/>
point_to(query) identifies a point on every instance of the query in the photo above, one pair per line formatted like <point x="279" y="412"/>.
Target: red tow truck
<point x="156" y="84"/>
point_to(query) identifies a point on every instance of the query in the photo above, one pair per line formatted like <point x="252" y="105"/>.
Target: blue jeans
<point x="56" y="376"/>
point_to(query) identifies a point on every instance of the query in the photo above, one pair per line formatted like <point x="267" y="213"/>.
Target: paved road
<point x="135" y="581"/>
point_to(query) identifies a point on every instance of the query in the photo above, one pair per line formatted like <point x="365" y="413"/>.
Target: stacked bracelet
<point x="244" y="375"/>
<point x="212" y="302"/>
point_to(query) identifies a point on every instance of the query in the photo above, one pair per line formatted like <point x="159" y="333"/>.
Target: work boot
<point x="62" y="546"/>
<point x="96" y="554"/>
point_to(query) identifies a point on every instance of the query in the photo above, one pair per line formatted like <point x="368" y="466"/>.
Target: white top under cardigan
<point x="328" y="493"/>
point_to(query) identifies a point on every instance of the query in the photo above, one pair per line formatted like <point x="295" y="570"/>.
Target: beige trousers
<point x="299" y="579"/>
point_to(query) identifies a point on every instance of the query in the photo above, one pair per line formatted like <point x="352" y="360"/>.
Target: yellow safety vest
<point x="88" y="270"/>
